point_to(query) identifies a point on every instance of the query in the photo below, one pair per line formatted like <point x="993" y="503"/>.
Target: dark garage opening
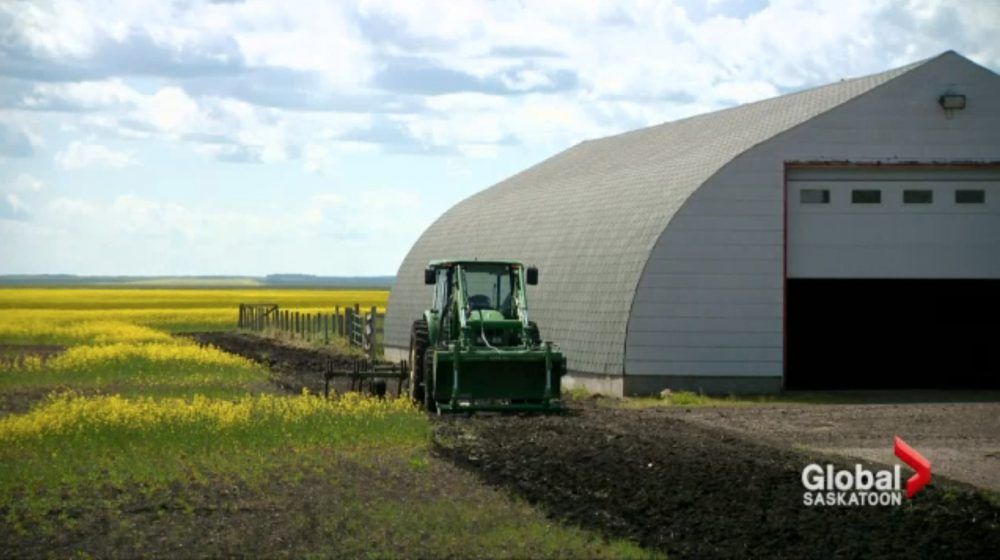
<point x="889" y="334"/>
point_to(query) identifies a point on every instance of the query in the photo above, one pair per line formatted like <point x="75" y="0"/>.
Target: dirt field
<point x="961" y="439"/>
<point x="717" y="482"/>
<point x="293" y="368"/>
<point x="697" y="491"/>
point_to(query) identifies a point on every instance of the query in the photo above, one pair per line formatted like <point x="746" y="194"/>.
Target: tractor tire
<point x="429" y="403"/>
<point x="419" y="341"/>
<point x="534" y="335"/>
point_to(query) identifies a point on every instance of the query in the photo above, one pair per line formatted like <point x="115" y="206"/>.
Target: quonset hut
<point x="846" y="236"/>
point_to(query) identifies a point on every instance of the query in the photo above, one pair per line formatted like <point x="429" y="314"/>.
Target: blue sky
<point x="228" y="137"/>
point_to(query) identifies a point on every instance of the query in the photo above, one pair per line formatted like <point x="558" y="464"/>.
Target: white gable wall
<point x="708" y="306"/>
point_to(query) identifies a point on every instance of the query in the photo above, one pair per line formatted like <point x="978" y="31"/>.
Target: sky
<point x="227" y="137"/>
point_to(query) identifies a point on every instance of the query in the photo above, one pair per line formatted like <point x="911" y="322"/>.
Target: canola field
<point x="123" y="401"/>
<point x="95" y="315"/>
<point x="120" y="438"/>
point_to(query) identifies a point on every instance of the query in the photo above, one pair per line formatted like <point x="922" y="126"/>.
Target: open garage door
<point x="893" y="278"/>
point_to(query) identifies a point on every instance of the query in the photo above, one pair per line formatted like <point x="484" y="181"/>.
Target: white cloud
<point x="171" y="109"/>
<point x="628" y="65"/>
<point x="24" y="183"/>
<point x="65" y="207"/>
<point x="368" y="213"/>
<point x="61" y="29"/>
<point x="80" y="155"/>
<point x="15" y="207"/>
<point x="82" y="96"/>
<point x="354" y="232"/>
<point x="318" y="158"/>
<point x="12" y="196"/>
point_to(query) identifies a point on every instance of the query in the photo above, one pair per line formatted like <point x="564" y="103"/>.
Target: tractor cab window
<point x="489" y="287"/>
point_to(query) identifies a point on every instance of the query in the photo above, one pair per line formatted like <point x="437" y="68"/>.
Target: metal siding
<point x="898" y="122"/>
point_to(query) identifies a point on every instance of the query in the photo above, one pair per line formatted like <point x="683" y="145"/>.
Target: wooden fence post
<point x="349" y="325"/>
<point x="358" y="325"/>
<point x="372" y="337"/>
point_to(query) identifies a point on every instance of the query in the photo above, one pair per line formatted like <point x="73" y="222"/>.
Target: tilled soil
<point x="293" y="368"/>
<point x="698" y="491"/>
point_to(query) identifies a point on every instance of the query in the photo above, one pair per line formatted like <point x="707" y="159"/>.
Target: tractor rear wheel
<point x="429" y="403"/>
<point x="419" y="340"/>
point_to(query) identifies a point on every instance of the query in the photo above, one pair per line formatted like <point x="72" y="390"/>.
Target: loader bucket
<point x="505" y="380"/>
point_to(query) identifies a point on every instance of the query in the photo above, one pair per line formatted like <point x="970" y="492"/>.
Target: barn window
<point x="918" y="197"/>
<point x="814" y="196"/>
<point x="860" y="196"/>
<point x="977" y="196"/>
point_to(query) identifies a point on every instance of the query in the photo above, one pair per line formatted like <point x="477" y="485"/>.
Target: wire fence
<point x="364" y="330"/>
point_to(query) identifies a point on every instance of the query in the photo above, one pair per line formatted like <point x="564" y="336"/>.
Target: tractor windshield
<point x="491" y="287"/>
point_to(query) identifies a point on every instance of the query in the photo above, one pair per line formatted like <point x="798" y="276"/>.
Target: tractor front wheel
<point x="419" y="340"/>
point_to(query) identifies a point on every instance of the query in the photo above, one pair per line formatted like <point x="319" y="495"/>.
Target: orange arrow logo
<point x="917" y="462"/>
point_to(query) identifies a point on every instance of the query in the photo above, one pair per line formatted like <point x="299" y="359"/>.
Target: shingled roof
<point x="589" y="216"/>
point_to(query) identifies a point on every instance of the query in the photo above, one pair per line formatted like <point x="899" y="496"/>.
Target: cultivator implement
<point x="365" y="374"/>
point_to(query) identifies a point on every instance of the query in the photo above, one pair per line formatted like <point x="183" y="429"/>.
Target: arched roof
<point x="589" y="216"/>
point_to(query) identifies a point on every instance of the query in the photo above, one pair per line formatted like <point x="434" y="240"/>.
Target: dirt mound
<point x="696" y="491"/>
<point x="293" y="368"/>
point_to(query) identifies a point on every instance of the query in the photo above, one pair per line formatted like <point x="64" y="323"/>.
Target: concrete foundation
<point x="610" y="385"/>
<point x="638" y="385"/>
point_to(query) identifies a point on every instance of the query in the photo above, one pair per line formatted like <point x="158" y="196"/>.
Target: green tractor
<point x="475" y="349"/>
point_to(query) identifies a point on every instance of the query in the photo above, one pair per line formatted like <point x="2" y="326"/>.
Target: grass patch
<point x="442" y="527"/>
<point x="318" y="503"/>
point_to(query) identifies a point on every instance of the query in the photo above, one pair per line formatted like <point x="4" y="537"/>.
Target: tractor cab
<point x="479" y="303"/>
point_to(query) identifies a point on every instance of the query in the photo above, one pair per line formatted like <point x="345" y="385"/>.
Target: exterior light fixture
<point x="951" y="102"/>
